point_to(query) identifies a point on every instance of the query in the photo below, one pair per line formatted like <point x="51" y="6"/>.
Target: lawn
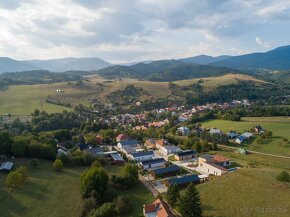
<point x="280" y="126"/>
<point x="50" y="194"/>
<point x="248" y="191"/>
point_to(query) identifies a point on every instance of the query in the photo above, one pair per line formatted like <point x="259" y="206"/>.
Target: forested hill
<point x="164" y="70"/>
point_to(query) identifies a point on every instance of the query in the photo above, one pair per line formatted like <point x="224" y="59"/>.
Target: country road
<point x="256" y="152"/>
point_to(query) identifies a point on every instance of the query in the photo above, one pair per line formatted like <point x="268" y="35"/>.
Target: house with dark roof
<point x="185" y="155"/>
<point x="132" y="143"/>
<point x="153" y="163"/>
<point x="159" y="208"/>
<point x="183" y="181"/>
<point x="96" y="151"/>
<point x="116" y="159"/>
<point x="141" y="156"/>
<point x="83" y="146"/>
<point x="165" y="172"/>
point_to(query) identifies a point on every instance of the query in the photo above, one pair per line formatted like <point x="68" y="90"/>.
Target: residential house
<point x="243" y="137"/>
<point x="121" y="137"/>
<point x="159" y="208"/>
<point x="184" y="131"/>
<point x="168" y="150"/>
<point x="215" y="131"/>
<point x="141" y="156"/>
<point x="117" y="159"/>
<point x="83" y="146"/>
<point x="97" y="151"/>
<point x="232" y="135"/>
<point x="131" y="143"/>
<point x="153" y="163"/>
<point x="127" y="149"/>
<point x="185" y="155"/>
<point x="165" y="172"/>
<point x="259" y="129"/>
<point x="221" y="160"/>
<point x="211" y="165"/>
<point x="183" y="180"/>
<point x="161" y="142"/>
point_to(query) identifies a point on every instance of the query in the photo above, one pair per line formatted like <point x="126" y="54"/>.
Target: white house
<point x="153" y="163"/>
<point x="215" y="131"/>
<point x="212" y="165"/>
<point x="169" y="149"/>
<point x="183" y="130"/>
<point x="141" y="156"/>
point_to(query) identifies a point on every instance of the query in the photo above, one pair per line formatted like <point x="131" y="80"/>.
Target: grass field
<point x="24" y="99"/>
<point x="249" y="191"/>
<point x="280" y="126"/>
<point x="50" y="194"/>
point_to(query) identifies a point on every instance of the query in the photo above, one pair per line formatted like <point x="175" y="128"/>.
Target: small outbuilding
<point x="165" y="172"/>
<point x="6" y="166"/>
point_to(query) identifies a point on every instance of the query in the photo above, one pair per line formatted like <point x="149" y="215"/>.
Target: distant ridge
<point x="204" y="59"/>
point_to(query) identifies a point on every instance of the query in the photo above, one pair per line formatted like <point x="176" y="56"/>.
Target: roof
<point x="206" y="156"/>
<point x="215" y="131"/>
<point x="142" y="153"/>
<point x="129" y="142"/>
<point x="171" y="147"/>
<point x="161" y="208"/>
<point x="220" y="158"/>
<point x="153" y="161"/>
<point x="165" y="170"/>
<point x="241" y="138"/>
<point x="183" y="128"/>
<point x="121" y="137"/>
<point x="161" y="142"/>
<point x="185" y="153"/>
<point x="128" y="149"/>
<point x="6" y="166"/>
<point x="184" y="180"/>
<point x="116" y="157"/>
<point x="96" y="150"/>
<point x="83" y="146"/>
<point x="247" y="134"/>
<point x="217" y="166"/>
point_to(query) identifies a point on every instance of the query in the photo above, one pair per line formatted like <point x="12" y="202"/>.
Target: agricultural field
<point x="213" y="82"/>
<point x="225" y="195"/>
<point x="280" y="126"/>
<point x="24" y="99"/>
<point x="50" y="194"/>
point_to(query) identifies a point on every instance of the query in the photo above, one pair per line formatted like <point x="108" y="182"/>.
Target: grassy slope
<point x="48" y="193"/>
<point x="274" y="145"/>
<point x="23" y="99"/>
<point x="247" y="189"/>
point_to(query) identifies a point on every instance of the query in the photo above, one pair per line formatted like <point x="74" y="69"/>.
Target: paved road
<point x="256" y="152"/>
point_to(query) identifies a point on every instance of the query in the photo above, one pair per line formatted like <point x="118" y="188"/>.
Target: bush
<point x="16" y="178"/>
<point x="94" y="182"/>
<point x="106" y="210"/>
<point x="88" y="205"/>
<point x="283" y="177"/>
<point x="121" y="205"/>
<point x="58" y="165"/>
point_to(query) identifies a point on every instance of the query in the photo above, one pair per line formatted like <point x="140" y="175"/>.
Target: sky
<point x="135" y="30"/>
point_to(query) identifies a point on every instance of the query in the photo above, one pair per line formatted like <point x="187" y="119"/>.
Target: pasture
<point x="24" y="99"/>
<point x="47" y="193"/>
<point x="280" y="126"/>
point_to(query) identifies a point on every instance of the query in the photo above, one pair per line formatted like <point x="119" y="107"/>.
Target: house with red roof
<point x="212" y="164"/>
<point x="159" y="208"/>
<point x="121" y="137"/>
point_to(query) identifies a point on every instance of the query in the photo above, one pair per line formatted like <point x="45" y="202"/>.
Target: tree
<point x="94" y="181"/>
<point x="283" y="177"/>
<point x="58" y="165"/>
<point x="106" y="210"/>
<point x="5" y="143"/>
<point x="189" y="203"/>
<point x="130" y="171"/>
<point x="173" y="195"/>
<point x="121" y="204"/>
<point x="17" y="177"/>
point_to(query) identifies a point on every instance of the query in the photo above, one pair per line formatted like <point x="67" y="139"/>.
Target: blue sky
<point x="134" y="30"/>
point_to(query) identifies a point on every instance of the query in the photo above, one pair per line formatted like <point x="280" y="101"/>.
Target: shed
<point x="6" y="166"/>
<point x="167" y="171"/>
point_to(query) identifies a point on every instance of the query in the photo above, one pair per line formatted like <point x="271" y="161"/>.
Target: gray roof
<point x="142" y="153"/>
<point x="129" y="142"/>
<point x="153" y="161"/>
<point x="117" y="157"/>
<point x="6" y="166"/>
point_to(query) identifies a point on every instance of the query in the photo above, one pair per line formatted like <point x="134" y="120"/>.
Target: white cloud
<point x="262" y="43"/>
<point x="136" y="29"/>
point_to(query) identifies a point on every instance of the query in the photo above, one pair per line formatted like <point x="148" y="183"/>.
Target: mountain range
<point x="277" y="59"/>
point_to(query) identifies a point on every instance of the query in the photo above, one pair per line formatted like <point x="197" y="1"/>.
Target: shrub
<point x="106" y="210"/>
<point x="58" y="165"/>
<point x="121" y="205"/>
<point x="16" y="178"/>
<point x="283" y="177"/>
